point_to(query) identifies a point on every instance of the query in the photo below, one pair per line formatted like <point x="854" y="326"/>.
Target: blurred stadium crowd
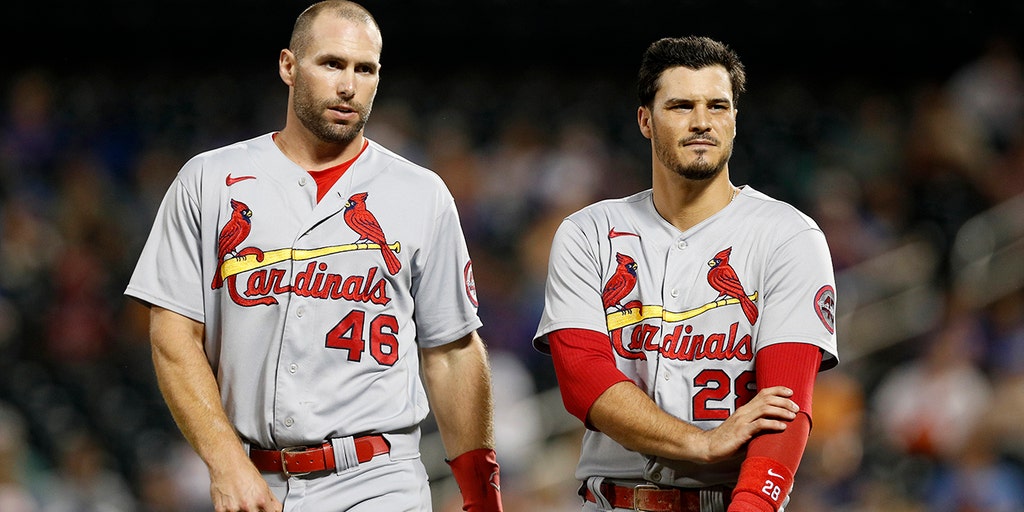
<point x="919" y="190"/>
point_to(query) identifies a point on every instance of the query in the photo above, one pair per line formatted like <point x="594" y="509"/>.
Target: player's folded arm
<point x="585" y="368"/>
<point x="766" y="476"/>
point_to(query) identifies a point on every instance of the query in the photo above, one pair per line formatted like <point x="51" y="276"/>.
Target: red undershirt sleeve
<point x="794" y="365"/>
<point x="585" y="368"/>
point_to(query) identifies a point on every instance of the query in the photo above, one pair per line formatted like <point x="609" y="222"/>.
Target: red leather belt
<point x="306" y="459"/>
<point x="651" y="498"/>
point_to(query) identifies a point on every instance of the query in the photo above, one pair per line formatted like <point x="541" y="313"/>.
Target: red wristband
<point x="478" y="475"/>
<point x="764" y="478"/>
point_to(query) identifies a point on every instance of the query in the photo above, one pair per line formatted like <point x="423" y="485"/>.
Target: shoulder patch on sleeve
<point x="825" y="307"/>
<point x="470" y="281"/>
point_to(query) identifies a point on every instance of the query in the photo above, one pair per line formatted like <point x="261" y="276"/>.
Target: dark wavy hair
<point x="694" y="52"/>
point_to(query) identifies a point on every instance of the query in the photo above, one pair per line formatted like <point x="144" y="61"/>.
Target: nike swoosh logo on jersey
<point x="613" y="233"/>
<point x="231" y="181"/>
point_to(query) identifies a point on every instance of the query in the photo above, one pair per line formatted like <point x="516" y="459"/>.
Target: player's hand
<point x="769" y="410"/>
<point x="241" y="489"/>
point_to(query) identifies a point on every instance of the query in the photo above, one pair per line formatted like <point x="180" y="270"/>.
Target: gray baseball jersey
<point x="686" y="312"/>
<point x="313" y="312"/>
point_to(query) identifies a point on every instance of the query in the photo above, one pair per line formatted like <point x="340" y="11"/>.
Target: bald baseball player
<point x="687" y="322"/>
<point x="298" y="282"/>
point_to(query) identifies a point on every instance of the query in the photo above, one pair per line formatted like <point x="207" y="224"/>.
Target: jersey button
<point x="299" y="312"/>
<point x="681" y="244"/>
<point x="289" y="422"/>
<point x="293" y="368"/>
<point x="674" y="293"/>
<point x="302" y="181"/>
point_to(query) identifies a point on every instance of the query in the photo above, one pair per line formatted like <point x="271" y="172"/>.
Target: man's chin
<point x="341" y="137"/>
<point x="699" y="172"/>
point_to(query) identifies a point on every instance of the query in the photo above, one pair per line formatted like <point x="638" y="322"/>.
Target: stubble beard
<point x="700" y="168"/>
<point x="310" y="111"/>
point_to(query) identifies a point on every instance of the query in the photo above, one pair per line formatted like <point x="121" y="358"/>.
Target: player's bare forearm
<point x="458" y="381"/>
<point x="190" y="390"/>
<point x="626" y="414"/>
<point x="189" y="387"/>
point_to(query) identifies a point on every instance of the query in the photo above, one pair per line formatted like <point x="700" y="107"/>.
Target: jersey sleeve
<point x="169" y="270"/>
<point x="572" y="294"/>
<point x="800" y="296"/>
<point x="444" y="288"/>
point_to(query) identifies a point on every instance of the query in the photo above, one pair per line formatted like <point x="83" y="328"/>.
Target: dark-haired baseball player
<point x="687" y="322"/>
<point x="298" y="282"/>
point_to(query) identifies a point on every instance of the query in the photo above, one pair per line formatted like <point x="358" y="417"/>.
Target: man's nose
<point x="347" y="84"/>
<point x="701" y="121"/>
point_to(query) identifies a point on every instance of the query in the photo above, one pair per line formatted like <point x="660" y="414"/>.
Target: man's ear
<point x="643" y="119"/>
<point x="286" y="63"/>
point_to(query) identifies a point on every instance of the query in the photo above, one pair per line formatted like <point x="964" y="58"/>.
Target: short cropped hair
<point x="694" y="52"/>
<point x="344" y="9"/>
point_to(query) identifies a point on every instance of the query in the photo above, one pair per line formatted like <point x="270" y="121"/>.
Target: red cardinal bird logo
<point x="232" y="235"/>
<point x="362" y="221"/>
<point x="621" y="283"/>
<point x="723" y="279"/>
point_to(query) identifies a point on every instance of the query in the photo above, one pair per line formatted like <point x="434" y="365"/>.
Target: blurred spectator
<point x="1003" y="321"/>
<point x="975" y="478"/>
<point x="31" y="133"/>
<point x="990" y="90"/>
<point x="837" y="200"/>
<point x="1007" y="416"/>
<point x="574" y="170"/>
<point x="946" y="163"/>
<point x="178" y="481"/>
<point x="929" y="406"/>
<point x="517" y="417"/>
<point x="79" y="320"/>
<point x="835" y="449"/>
<point x="85" y="481"/>
<point x="1006" y="179"/>
<point x="15" y="494"/>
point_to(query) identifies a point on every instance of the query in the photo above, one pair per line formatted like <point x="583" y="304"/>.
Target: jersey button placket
<point x="681" y="245"/>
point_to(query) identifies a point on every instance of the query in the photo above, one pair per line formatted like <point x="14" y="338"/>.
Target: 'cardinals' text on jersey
<point x="308" y="305"/>
<point x="686" y="312"/>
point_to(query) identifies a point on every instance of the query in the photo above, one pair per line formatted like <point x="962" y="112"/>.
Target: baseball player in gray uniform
<point x="298" y="282"/>
<point x="687" y="322"/>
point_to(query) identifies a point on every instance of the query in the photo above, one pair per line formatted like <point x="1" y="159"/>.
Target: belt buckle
<point x="636" y="494"/>
<point x="284" y="460"/>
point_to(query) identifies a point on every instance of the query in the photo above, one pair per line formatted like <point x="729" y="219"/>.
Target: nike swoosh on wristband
<point x="231" y="181"/>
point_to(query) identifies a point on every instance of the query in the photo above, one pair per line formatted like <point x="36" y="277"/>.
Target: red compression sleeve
<point x="585" y="368"/>
<point x="766" y="476"/>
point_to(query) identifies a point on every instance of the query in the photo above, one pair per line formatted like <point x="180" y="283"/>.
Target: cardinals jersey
<point x="313" y="312"/>
<point x="687" y="312"/>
